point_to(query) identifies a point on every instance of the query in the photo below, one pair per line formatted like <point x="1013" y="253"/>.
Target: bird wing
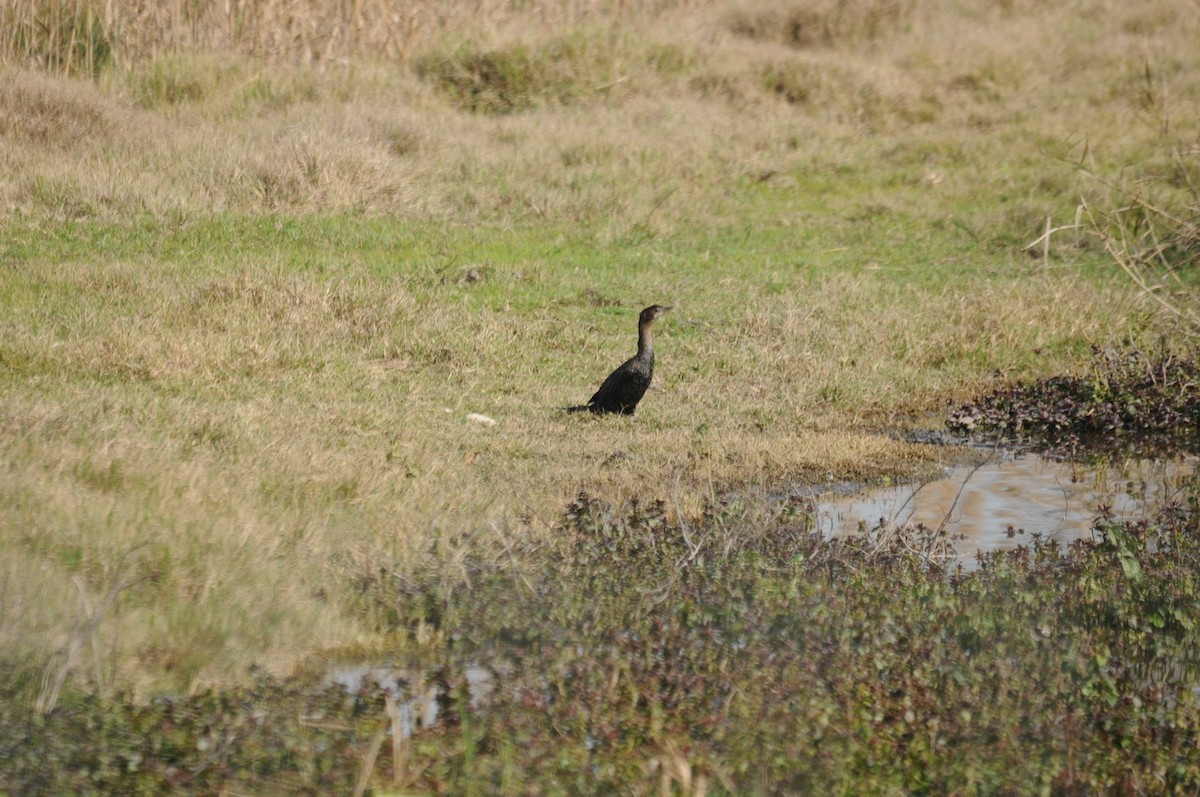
<point x="614" y="380"/>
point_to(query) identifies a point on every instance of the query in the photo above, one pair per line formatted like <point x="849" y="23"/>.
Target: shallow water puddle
<point x="418" y="698"/>
<point x="1002" y="504"/>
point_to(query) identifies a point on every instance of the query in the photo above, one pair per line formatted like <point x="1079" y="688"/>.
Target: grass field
<point x="252" y="291"/>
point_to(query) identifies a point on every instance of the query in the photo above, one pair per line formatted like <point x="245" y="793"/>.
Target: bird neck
<point x="645" y="341"/>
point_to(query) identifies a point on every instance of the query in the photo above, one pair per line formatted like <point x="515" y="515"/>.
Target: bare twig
<point x="694" y="547"/>
<point x="1043" y="240"/>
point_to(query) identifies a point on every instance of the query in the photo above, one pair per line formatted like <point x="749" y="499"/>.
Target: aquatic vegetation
<point x="1149" y="397"/>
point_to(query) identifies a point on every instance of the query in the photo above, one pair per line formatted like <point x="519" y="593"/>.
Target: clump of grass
<point x="795" y="82"/>
<point x="520" y="76"/>
<point x="48" y="114"/>
<point x="823" y="23"/>
<point x="170" y="81"/>
<point x="215" y="87"/>
<point x="1150" y="226"/>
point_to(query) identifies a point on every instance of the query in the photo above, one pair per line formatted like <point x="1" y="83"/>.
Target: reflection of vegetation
<point x="733" y="653"/>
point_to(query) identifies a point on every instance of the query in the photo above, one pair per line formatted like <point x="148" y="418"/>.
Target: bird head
<point x="653" y="312"/>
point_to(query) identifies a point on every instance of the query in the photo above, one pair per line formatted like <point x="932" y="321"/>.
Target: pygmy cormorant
<point x="624" y="387"/>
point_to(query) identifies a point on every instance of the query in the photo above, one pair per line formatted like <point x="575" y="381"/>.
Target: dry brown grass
<point x="941" y="94"/>
<point x="70" y="35"/>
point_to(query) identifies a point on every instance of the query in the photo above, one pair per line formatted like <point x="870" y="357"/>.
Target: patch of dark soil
<point x="1129" y="401"/>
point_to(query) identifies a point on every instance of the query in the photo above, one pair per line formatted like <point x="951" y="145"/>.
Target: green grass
<point x="254" y="407"/>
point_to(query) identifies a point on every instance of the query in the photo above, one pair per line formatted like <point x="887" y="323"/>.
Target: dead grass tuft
<point x="318" y="168"/>
<point x="1150" y="226"/>
<point x="820" y="24"/>
<point x="54" y="114"/>
<point x="518" y="77"/>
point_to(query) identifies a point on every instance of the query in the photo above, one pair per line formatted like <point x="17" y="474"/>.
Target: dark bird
<point x="624" y="387"/>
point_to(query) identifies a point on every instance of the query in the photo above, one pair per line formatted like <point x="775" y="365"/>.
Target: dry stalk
<point x="1043" y="240"/>
<point x="400" y="743"/>
<point x="673" y="769"/>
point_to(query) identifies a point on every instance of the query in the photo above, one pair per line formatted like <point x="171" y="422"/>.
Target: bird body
<point x="621" y="391"/>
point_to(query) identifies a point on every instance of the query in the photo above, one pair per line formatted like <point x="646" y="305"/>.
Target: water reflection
<point x="1003" y="503"/>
